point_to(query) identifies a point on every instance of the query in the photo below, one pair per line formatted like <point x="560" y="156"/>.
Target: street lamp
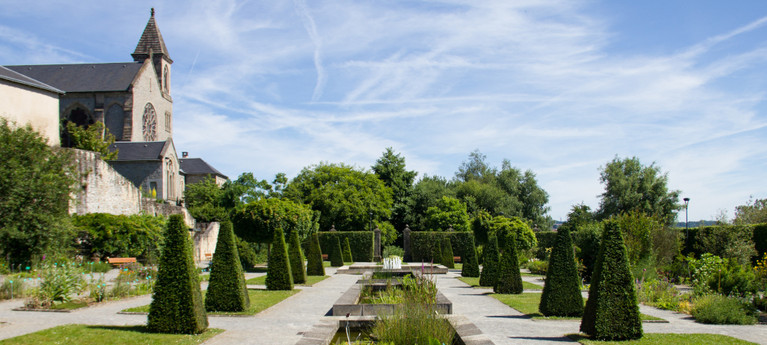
<point x="686" y="229"/>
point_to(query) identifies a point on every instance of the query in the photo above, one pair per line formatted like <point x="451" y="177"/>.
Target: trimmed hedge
<point x="226" y="288"/>
<point x="490" y="259"/>
<point x="347" y="254"/>
<point x="361" y="243"/>
<point x="691" y="243"/>
<point x="760" y="240"/>
<point x="447" y="253"/>
<point x="422" y="244"/>
<point x="612" y="312"/>
<point x="562" y="289"/>
<point x="470" y="266"/>
<point x="314" y="266"/>
<point x="296" y="259"/>
<point x="278" y="273"/>
<point x="336" y="256"/>
<point x="546" y="239"/>
<point x="177" y="301"/>
<point x="509" y="278"/>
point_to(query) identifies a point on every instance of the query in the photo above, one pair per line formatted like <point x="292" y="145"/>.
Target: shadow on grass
<point x="564" y="339"/>
<point x="521" y="317"/>
<point x="136" y="328"/>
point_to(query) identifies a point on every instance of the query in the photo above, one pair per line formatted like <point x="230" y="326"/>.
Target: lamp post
<point x="686" y="228"/>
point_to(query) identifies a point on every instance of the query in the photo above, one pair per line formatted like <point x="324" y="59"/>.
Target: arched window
<point x="149" y="123"/>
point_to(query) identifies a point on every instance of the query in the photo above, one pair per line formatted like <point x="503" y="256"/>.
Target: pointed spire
<point x="151" y="42"/>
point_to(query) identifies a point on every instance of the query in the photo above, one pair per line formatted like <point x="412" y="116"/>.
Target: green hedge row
<point x="692" y="242"/>
<point x="361" y="243"/>
<point x="423" y="243"/>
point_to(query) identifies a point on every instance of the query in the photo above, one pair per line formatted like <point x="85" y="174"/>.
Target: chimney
<point x="184" y="154"/>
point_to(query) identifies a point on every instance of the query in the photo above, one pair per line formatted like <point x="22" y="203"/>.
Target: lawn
<point x="527" y="303"/>
<point x="668" y="339"/>
<point x="107" y="335"/>
<point x="474" y="282"/>
<point x="310" y="280"/>
<point x="260" y="300"/>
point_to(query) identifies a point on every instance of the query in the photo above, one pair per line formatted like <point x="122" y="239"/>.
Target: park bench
<point x="119" y="262"/>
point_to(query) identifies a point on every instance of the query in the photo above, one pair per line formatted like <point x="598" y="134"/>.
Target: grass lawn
<point x="107" y="335"/>
<point x="532" y="275"/>
<point x="667" y="339"/>
<point x="474" y="282"/>
<point x="310" y="280"/>
<point x="260" y="300"/>
<point x="527" y="303"/>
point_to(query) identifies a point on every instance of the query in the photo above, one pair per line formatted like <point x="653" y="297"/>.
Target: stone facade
<point x="205" y="237"/>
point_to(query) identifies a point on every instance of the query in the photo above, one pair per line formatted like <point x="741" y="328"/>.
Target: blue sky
<point x="557" y="87"/>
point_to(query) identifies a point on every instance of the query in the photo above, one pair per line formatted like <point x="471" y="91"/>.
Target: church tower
<point x="151" y="46"/>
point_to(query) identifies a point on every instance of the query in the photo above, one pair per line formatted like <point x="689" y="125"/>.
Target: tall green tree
<point x="426" y="193"/>
<point x="36" y="182"/>
<point x="632" y="186"/>
<point x="448" y="212"/>
<point x="390" y="168"/>
<point x="753" y="212"/>
<point x="562" y="289"/>
<point x="226" y="288"/>
<point x="204" y="200"/>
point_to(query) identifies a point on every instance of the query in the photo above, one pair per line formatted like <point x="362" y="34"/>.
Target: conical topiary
<point x="296" y="259"/>
<point x="436" y="251"/>
<point x="278" y="273"/>
<point x="447" y="253"/>
<point x="336" y="256"/>
<point x="490" y="258"/>
<point x="562" y="290"/>
<point x="226" y="287"/>
<point x="314" y="266"/>
<point x="612" y="312"/>
<point x="347" y="254"/>
<point x="177" y="301"/>
<point x="470" y="266"/>
<point x="509" y="277"/>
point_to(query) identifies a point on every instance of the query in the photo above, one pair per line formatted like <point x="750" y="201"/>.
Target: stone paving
<point x="285" y="322"/>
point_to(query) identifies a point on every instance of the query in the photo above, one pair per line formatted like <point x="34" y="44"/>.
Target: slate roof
<point x="197" y="166"/>
<point x="150" y="41"/>
<point x="10" y="75"/>
<point x="138" y="151"/>
<point x="83" y="77"/>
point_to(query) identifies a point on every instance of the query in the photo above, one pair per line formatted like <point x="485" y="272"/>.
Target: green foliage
<point x="347" y="252"/>
<point x="423" y="243"/>
<point x="753" y="212"/>
<point x="480" y="225"/>
<point x="58" y="283"/>
<point x="426" y="193"/>
<point x="248" y="257"/>
<point x="389" y="251"/>
<point x="95" y="138"/>
<point x="296" y="259"/>
<point x="447" y="213"/>
<point x="470" y="267"/>
<point x="637" y="234"/>
<point x="390" y="169"/>
<point x="447" y="253"/>
<point x="388" y="233"/>
<point x="343" y="195"/>
<point x="226" y="287"/>
<point x="659" y="293"/>
<point x="760" y="239"/>
<point x="502" y="227"/>
<point x="336" y="254"/>
<point x="361" y="243"/>
<point x="258" y="220"/>
<point x="538" y="266"/>
<point x="509" y="278"/>
<point x="177" y="305"/>
<point x="314" y="266"/>
<point x="611" y="311"/>
<point x="111" y="235"/>
<point x="722" y="310"/>
<point x="204" y="201"/>
<point x="631" y="186"/>
<point x="436" y="251"/>
<point x="588" y="240"/>
<point x="562" y="290"/>
<point x="278" y="273"/>
<point x="733" y="280"/>
<point x="34" y="195"/>
<point x="732" y="242"/>
<point x="490" y="264"/>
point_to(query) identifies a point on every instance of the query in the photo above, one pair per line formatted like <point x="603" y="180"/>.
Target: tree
<point x="390" y="169"/>
<point x="612" y="312"/>
<point x="638" y="229"/>
<point x="753" y="212"/>
<point x="36" y="182"/>
<point x="314" y="266"/>
<point x="447" y="253"/>
<point x="278" y="273"/>
<point x="426" y="193"/>
<point x="502" y="227"/>
<point x="336" y="254"/>
<point x="562" y="289"/>
<point x="448" y="212"/>
<point x="177" y="305"/>
<point x="345" y="197"/>
<point x="347" y="253"/>
<point x="631" y="186"/>
<point x="470" y="267"/>
<point x="258" y="220"/>
<point x="509" y="278"/>
<point x="296" y="259"/>
<point x="204" y="200"/>
<point x="490" y="259"/>
<point x="95" y="138"/>
<point x="226" y="288"/>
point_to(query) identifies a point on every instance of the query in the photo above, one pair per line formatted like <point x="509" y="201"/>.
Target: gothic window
<point x="166" y="80"/>
<point x="150" y="123"/>
<point x="167" y="121"/>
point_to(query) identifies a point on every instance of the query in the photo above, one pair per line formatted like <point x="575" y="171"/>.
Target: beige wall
<point x="23" y="104"/>
<point x="147" y="89"/>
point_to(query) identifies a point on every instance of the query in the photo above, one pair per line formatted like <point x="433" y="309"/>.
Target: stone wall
<point x="205" y="236"/>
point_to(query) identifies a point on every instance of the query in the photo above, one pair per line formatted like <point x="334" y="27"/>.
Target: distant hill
<point x="694" y="224"/>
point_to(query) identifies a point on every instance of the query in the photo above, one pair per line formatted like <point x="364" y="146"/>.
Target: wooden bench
<point x="456" y="259"/>
<point x="325" y="257"/>
<point x="119" y="262"/>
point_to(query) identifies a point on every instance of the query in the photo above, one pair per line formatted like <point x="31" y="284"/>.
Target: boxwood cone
<point x="490" y="258"/>
<point x="612" y="312"/>
<point x="296" y="259"/>
<point x="562" y="289"/>
<point x="278" y="273"/>
<point x="347" y="254"/>
<point x="509" y="277"/>
<point x="470" y="266"/>
<point x="226" y="287"/>
<point x="314" y="265"/>
<point x="177" y="301"/>
<point x="447" y="253"/>
<point x="336" y="257"/>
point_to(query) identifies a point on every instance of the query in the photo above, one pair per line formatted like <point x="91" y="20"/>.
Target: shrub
<point x="546" y="239"/>
<point x="347" y="253"/>
<point x="447" y="253"/>
<point x="59" y="283"/>
<point x="110" y="235"/>
<point x="296" y="259"/>
<point x="470" y="266"/>
<point x="490" y="259"/>
<point x="278" y="273"/>
<point x="389" y="251"/>
<point x="314" y="266"/>
<point x="226" y="287"/>
<point x="562" y="290"/>
<point x="361" y="243"/>
<point x="509" y="278"/>
<point x="422" y="243"/>
<point x="336" y="255"/>
<point x="659" y="293"/>
<point x="721" y="310"/>
<point x="611" y="311"/>
<point x="248" y="257"/>
<point x="733" y="280"/>
<point x="177" y="301"/>
<point x="537" y="266"/>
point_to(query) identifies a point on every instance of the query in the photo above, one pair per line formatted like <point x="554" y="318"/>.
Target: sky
<point x="558" y="87"/>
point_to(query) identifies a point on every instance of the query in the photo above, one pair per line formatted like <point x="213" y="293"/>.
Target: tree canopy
<point x="257" y="221"/>
<point x="753" y="212"/>
<point x="448" y="212"/>
<point x="390" y="169"/>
